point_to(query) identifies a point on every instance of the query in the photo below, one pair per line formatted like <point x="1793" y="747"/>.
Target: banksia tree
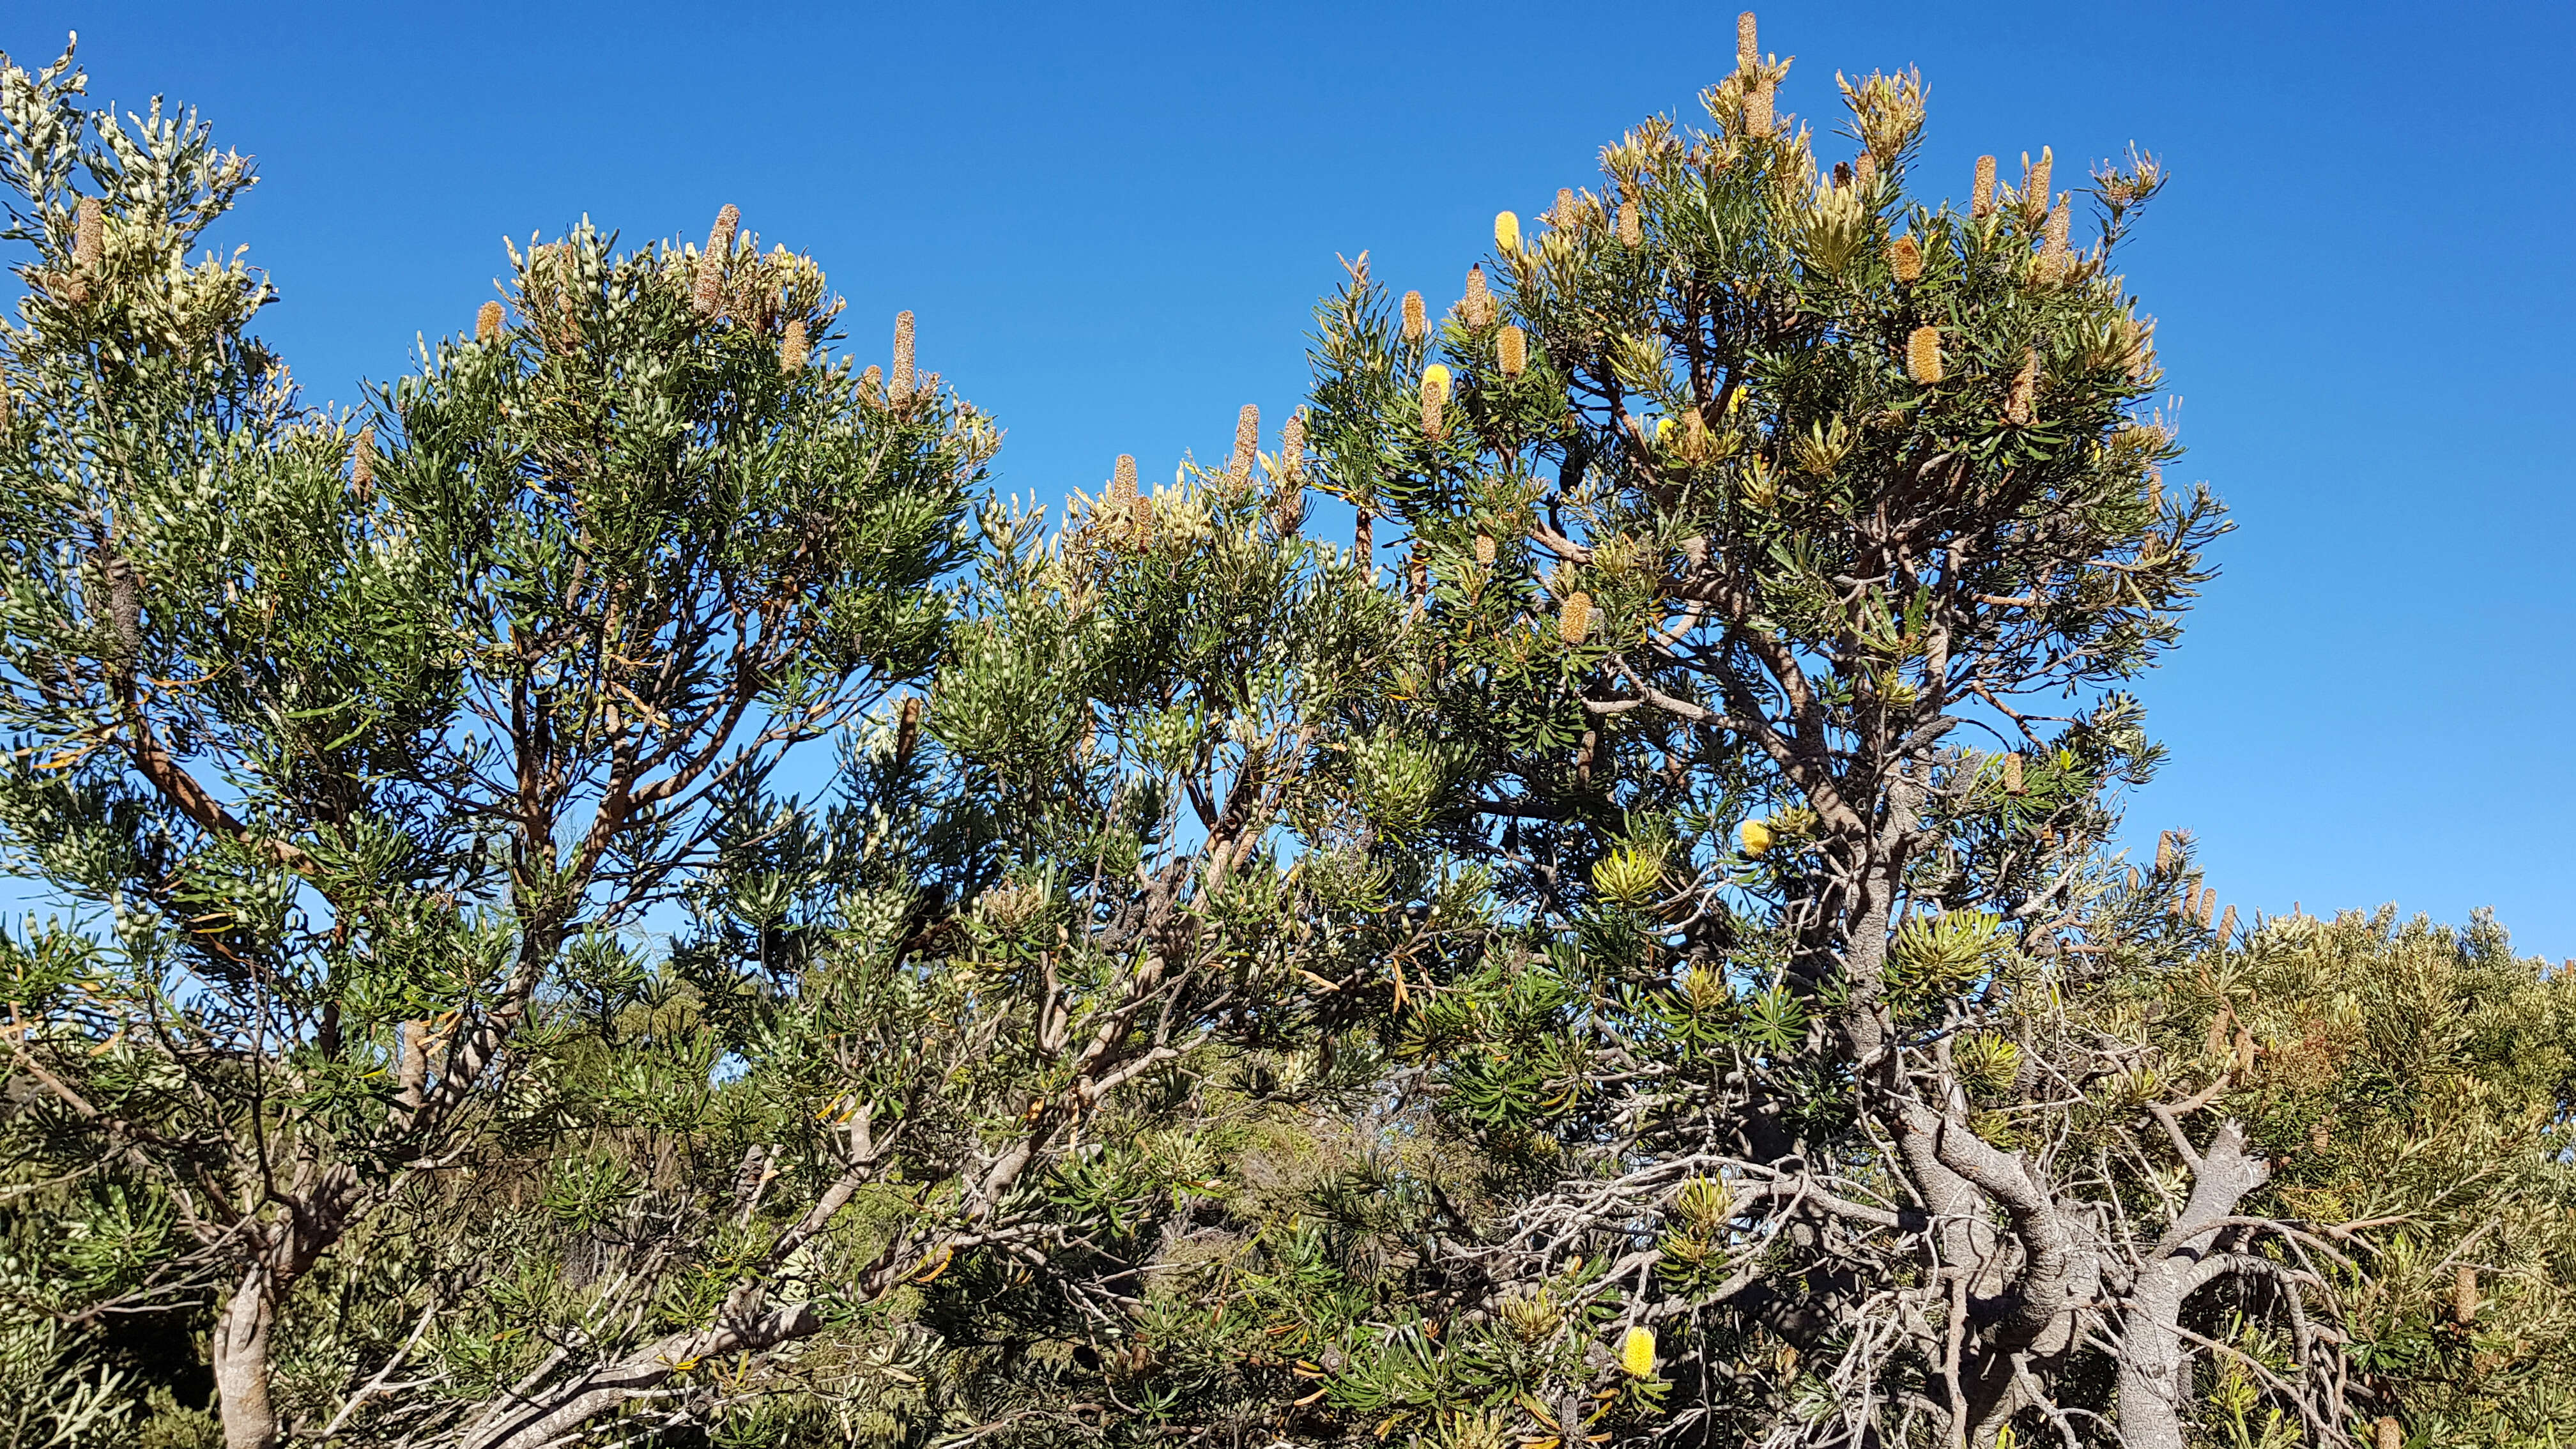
<point x="1760" y="451"/>
<point x="418" y="750"/>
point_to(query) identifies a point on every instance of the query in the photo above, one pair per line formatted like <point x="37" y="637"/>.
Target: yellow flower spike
<point x="1663" y="431"/>
<point x="1637" y="1353"/>
<point x="1511" y="349"/>
<point x="1574" y="621"/>
<point x="1754" y="836"/>
<point x="1923" y="355"/>
<point x="1507" y="233"/>
<point x="1435" y="381"/>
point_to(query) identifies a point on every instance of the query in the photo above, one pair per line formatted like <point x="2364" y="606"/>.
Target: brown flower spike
<point x="706" y="295"/>
<point x="1905" y="258"/>
<point x="1923" y="355"/>
<point x="1748" y="54"/>
<point x="89" y="226"/>
<point x="791" y="348"/>
<point x="899" y="379"/>
<point x="2025" y="388"/>
<point x="1292" y="448"/>
<point x="1981" y="196"/>
<point x="1415" y="323"/>
<point x="1247" y="441"/>
<point x="1632" y="234"/>
<point x="487" y="322"/>
<point x="1478" y="305"/>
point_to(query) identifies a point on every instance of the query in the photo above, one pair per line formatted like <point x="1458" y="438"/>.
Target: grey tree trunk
<point x="241" y="1364"/>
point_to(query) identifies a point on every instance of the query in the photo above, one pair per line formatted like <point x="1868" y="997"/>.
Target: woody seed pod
<point x="2244" y="1046"/>
<point x="1507" y="233"/>
<point x="791" y="348"/>
<point x="89" y="235"/>
<point x="1574" y="620"/>
<point x="907" y="731"/>
<point x="1415" y="324"/>
<point x="487" y="322"/>
<point x="2025" y="388"/>
<point x="899" y="378"/>
<point x="1981" y="197"/>
<point x="1247" y="441"/>
<point x="1632" y="234"/>
<point x="1905" y="258"/>
<point x="1511" y="348"/>
<point x="1923" y="355"/>
<point x="706" y="294"/>
<point x="2012" y="774"/>
<point x="1435" y="397"/>
<point x="1748" y="54"/>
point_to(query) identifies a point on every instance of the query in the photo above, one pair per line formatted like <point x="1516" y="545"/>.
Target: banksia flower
<point x="487" y="322"/>
<point x="2025" y="388"/>
<point x="2034" y="184"/>
<point x="89" y="227"/>
<point x="1905" y="258"/>
<point x="2244" y="1046"/>
<point x="1865" y="169"/>
<point x="907" y="731"/>
<point x="1923" y="355"/>
<point x="1435" y="397"/>
<point x="872" y="383"/>
<point x="2164" y="849"/>
<point x="1632" y="233"/>
<point x="791" y="348"/>
<point x="2012" y="774"/>
<point x="1637" y="1353"/>
<point x="1415" y="323"/>
<point x="1122" y="484"/>
<point x="2464" y="1296"/>
<point x="1247" y="441"/>
<point x="1748" y="53"/>
<point x="2388" y="1434"/>
<point x="1478" y="305"/>
<point x="706" y="296"/>
<point x="1484" y="550"/>
<point x="2227" y="925"/>
<point x="2053" y="256"/>
<point x="1511" y="348"/>
<point x="362" y="467"/>
<point x="2208" y="906"/>
<point x="1981" y="197"/>
<point x="1574" y="620"/>
<point x="1754" y="836"/>
<point x="899" y="378"/>
<point x="1565" y="212"/>
<point x="1292" y="447"/>
<point x="1757" y="108"/>
<point x="1507" y="233"/>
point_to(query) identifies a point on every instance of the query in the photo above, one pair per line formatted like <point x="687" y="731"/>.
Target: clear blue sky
<point x="1112" y="222"/>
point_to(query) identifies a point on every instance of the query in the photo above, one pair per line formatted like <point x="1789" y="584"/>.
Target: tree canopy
<point x="621" y="893"/>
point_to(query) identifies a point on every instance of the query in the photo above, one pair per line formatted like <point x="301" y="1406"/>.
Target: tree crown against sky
<point x="1576" y="981"/>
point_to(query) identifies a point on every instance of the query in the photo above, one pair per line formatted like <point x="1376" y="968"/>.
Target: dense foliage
<point x="619" y="895"/>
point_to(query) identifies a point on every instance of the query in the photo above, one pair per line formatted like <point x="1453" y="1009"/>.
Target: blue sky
<point x="1112" y="222"/>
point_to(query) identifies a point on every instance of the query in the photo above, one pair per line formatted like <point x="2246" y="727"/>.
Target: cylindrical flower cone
<point x="1981" y="196"/>
<point x="1435" y="398"/>
<point x="1905" y="258"/>
<point x="1478" y="305"/>
<point x="1484" y="550"/>
<point x="2025" y="390"/>
<point x="706" y="295"/>
<point x="1923" y="355"/>
<point x="1292" y="447"/>
<point x="362" y="465"/>
<point x="1748" y="50"/>
<point x="1565" y="208"/>
<point x="1511" y="349"/>
<point x="1574" y="619"/>
<point x="1247" y="441"/>
<point x="2012" y="774"/>
<point x="1507" y="233"/>
<point x="791" y="348"/>
<point x="899" y="378"/>
<point x="1632" y="232"/>
<point x="1758" y="107"/>
<point x="89" y="236"/>
<point x="1415" y="323"/>
<point x="487" y="323"/>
